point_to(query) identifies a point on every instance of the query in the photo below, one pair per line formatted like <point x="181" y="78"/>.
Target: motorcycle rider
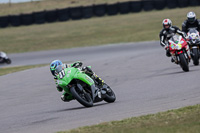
<point x="166" y="33"/>
<point x="191" y="22"/>
<point x="65" y="97"/>
<point x="4" y="58"/>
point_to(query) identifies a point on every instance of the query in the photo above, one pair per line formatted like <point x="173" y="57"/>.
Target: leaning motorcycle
<point x="82" y="87"/>
<point x="4" y="58"/>
<point x="194" y="44"/>
<point x="179" y="50"/>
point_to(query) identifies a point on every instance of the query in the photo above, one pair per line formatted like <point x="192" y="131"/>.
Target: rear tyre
<point x="196" y="56"/>
<point x="82" y="97"/>
<point x="183" y="62"/>
<point x="110" y="95"/>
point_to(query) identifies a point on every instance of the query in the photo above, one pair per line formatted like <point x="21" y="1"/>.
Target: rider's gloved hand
<point x="77" y="64"/>
<point x="88" y="70"/>
<point x="166" y="47"/>
<point x="188" y="42"/>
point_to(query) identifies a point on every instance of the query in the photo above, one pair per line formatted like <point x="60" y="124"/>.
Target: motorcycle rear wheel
<point x="82" y="97"/>
<point x="183" y="62"/>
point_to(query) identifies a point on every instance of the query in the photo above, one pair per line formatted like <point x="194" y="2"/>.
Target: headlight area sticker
<point x="89" y="79"/>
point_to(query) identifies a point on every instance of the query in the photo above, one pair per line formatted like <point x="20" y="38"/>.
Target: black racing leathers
<point x="166" y="34"/>
<point x="186" y="25"/>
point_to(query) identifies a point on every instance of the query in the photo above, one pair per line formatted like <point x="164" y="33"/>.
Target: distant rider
<point x="166" y="33"/>
<point x="191" y="22"/>
<point x="77" y="64"/>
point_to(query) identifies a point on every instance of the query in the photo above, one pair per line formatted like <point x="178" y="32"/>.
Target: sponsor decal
<point x="89" y="79"/>
<point x="59" y="82"/>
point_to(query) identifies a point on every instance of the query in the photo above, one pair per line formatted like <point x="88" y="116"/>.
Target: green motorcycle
<point x="83" y="88"/>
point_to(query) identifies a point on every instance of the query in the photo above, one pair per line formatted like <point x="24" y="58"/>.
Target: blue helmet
<point x="53" y="66"/>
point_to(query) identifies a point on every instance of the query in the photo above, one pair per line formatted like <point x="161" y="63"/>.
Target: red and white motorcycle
<point x="179" y="50"/>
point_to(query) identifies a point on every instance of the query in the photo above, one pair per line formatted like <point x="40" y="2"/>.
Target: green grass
<point x="8" y="70"/>
<point x="184" y="120"/>
<point x="132" y="27"/>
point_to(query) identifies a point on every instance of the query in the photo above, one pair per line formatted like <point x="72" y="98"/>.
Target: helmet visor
<point x="191" y="20"/>
<point x="166" y="26"/>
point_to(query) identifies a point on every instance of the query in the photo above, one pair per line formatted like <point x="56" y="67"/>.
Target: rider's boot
<point x="188" y="53"/>
<point x="173" y="59"/>
<point x="66" y="97"/>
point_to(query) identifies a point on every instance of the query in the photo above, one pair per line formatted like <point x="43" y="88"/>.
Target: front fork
<point x="186" y="53"/>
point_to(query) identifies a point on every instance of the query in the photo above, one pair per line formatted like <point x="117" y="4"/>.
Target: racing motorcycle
<point x="4" y="58"/>
<point x="179" y="50"/>
<point x="82" y="87"/>
<point x="194" y="44"/>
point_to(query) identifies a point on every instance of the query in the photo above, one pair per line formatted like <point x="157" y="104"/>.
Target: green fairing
<point x="85" y="78"/>
<point x="70" y="74"/>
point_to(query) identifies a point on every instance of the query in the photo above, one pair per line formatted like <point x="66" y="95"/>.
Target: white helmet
<point x="191" y="16"/>
<point x="167" y="23"/>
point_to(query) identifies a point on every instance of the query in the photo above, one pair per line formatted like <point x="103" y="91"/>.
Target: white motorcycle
<point x="194" y="43"/>
<point x="4" y="58"/>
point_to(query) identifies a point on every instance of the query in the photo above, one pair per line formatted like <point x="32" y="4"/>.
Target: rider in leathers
<point x="65" y="97"/>
<point x="191" y="22"/>
<point x="166" y="33"/>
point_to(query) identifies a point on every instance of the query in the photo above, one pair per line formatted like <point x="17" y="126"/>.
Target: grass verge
<point x="183" y="120"/>
<point x="131" y="27"/>
<point x="7" y="70"/>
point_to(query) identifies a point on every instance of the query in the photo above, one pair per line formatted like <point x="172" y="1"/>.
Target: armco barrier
<point x="136" y="6"/>
<point x="4" y="21"/>
<point x="172" y="3"/>
<point x="148" y="5"/>
<point x="159" y="4"/>
<point x="194" y="2"/>
<point x="112" y="9"/>
<point x="183" y="3"/>
<point x="15" y="20"/>
<point x="27" y="19"/>
<point x="39" y="17"/>
<point x="63" y="14"/>
<point x="88" y="12"/>
<point x="76" y="13"/>
<point x="100" y="10"/>
<point x="51" y="16"/>
<point x="124" y="7"/>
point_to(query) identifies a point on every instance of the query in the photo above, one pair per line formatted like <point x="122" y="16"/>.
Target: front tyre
<point x="196" y="56"/>
<point x="82" y="97"/>
<point x="183" y="62"/>
<point x="110" y="95"/>
<point x="8" y="61"/>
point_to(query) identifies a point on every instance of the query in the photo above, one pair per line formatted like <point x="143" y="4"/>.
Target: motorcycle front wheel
<point x="110" y="95"/>
<point x="82" y="97"/>
<point x="183" y="62"/>
<point x="8" y="61"/>
<point x="196" y="56"/>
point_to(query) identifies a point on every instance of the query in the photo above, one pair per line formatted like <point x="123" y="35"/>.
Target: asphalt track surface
<point x="143" y="78"/>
